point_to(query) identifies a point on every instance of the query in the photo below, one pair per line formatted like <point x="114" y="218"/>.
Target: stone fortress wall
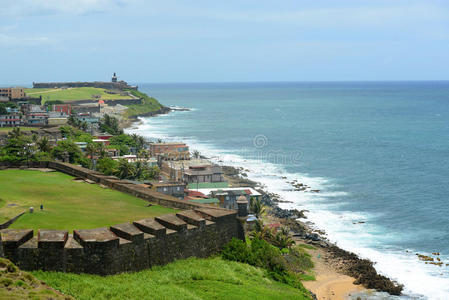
<point x="120" y="85"/>
<point x="198" y="230"/>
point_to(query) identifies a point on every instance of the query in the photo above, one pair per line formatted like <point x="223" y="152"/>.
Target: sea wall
<point x="123" y="247"/>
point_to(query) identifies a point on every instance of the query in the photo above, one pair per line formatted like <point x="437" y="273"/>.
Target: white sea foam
<point x="367" y="239"/>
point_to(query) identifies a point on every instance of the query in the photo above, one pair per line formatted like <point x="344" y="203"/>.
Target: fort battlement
<point x="120" y="85"/>
<point x="123" y="247"/>
<point x="198" y="230"/>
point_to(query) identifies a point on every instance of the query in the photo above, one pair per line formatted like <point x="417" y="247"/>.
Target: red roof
<point x="195" y="194"/>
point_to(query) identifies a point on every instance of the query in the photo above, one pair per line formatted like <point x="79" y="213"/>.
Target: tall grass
<point x="211" y="278"/>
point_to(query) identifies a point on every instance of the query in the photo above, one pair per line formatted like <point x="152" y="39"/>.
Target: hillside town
<point x="93" y="126"/>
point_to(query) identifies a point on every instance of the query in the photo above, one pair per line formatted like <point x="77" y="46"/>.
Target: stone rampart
<point x="121" y="85"/>
<point x="124" y="247"/>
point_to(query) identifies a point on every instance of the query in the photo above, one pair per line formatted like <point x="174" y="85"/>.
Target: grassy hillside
<point x="211" y="278"/>
<point x="149" y="105"/>
<point x="67" y="204"/>
<point x="16" y="284"/>
<point x="70" y="94"/>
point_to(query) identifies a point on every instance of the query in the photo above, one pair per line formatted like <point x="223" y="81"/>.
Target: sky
<point x="223" y="41"/>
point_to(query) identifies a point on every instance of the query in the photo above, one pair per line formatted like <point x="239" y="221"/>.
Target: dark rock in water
<point x="315" y="191"/>
<point x="364" y="272"/>
<point x="313" y="237"/>
<point x="287" y="213"/>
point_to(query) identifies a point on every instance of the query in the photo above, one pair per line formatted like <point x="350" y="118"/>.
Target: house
<point x="57" y="118"/>
<point x="170" y="151"/>
<point x="12" y="110"/>
<point x="11" y="120"/>
<point x="228" y="196"/>
<point x="191" y="171"/>
<point x="112" y="152"/>
<point x="88" y="118"/>
<point x="103" y="136"/>
<point x="81" y="145"/>
<point x="35" y="115"/>
<point x="12" y="93"/>
<point x="209" y="201"/>
<point x="175" y="189"/>
<point x="64" y="108"/>
<point x="203" y="173"/>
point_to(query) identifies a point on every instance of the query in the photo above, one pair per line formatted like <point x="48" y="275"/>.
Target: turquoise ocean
<point x="377" y="151"/>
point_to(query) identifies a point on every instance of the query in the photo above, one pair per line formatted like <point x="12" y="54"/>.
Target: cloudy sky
<point x="215" y="41"/>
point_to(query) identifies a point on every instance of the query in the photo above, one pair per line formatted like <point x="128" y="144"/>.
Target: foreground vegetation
<point x="67" y="204"/>
<point x="71" y="94"/>
<point x="16" y="284"/>
<point x="211" y="278"/>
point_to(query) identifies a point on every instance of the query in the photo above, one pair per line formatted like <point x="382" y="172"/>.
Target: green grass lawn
<point x="67" y="204"/>
<point x="148" y="105"/>
<point x="71" y="94"/>
<point x="211" y="278"/>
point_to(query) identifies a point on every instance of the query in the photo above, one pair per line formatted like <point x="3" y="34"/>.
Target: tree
<point x="91" y="151"/>
<point x="101" y="150"/>
<point x="44" y="145"/>
<point x="74" y="152"/>
<point x="125" y="169"/>
<point x="111" y="125"/>
<point x="196" y="154"/>
<point x="107" y="166"/>
<point x="257" y="207"/>
<point x="143" y="154"/>
<point x="15" y="133"/>
<point x="282" y="239"/>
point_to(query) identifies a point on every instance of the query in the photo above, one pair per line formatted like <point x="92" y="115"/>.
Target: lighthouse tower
<point x="114" y="78"/>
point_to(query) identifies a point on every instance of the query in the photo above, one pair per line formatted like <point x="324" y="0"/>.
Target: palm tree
<point x="101" y="150"/>
<point x="91" y="150"/>
<point x="15" y="133"/>
<point x="143" y="154"/>
<point x="44" y="144"/>
<point x="282" y="239"/>
<point x="196" y="154"/>
<point x="139" y="169"/>
<point x="125" y="169"/>
<point x="140" y="142"/>
<point x="257" y="207"/>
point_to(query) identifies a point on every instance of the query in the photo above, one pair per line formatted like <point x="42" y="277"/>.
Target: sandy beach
<point x="329" y="283"/>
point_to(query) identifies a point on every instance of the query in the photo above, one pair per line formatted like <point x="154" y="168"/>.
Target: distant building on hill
<point x="114" y="84"/>
<point x="12" y="93"/>
<point x="170" y="151"/>
<point x="175" y="189"/>
<point x="65" y="108"/>
<point x="11" y="120"/>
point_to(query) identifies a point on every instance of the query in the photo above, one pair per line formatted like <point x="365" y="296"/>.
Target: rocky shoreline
<point x="346" y="262"/>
